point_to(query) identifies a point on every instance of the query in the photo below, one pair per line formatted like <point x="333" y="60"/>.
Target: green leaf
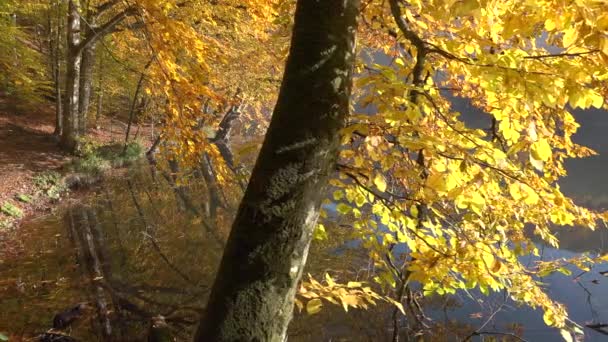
<point x="3" y="337"/>
<point x="24" y="198"/>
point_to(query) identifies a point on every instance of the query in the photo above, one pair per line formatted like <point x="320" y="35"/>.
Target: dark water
<point x="136" y="251"/>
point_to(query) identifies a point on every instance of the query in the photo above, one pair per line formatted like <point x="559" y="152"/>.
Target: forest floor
<point x="29" y="150"/>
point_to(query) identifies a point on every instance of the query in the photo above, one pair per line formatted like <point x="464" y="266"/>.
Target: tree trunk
<point x="13" y="25"/>
<point x="214" y="200"/>
<point x="140" y="84"/>
<point x="70" y="134"/>
<point x="99" y="92"/>
<point x="79" y="75"/>
<point x="224" y="133"/>
<point x="252" y="297"/>
<point x="86" y="84"/>
<point x="55" y="51"/>
<point x="88" y="24"/>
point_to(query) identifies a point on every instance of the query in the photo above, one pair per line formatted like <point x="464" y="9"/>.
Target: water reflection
<point x="143" y="247"/>
<point x="131" y="254"/>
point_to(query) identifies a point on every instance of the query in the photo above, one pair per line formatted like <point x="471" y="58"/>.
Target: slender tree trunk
<point x="70" y="134"/>
<point x="140" y="83"/>
<point x="252" y="297"/>
<point x="224" y="133"/>
<point x="86" y="85"/>
<point x="55" y="52"/>
<point x="79" y="75"/>
<point x="99" y="92"/>
<point x="14" y="28"/>
<point x="214" y="200"/>
<point x="88" y="25"/>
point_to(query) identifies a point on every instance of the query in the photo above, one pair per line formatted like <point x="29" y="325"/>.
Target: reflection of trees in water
<point x="144" y="253"/>
<point x="142" y="259"/>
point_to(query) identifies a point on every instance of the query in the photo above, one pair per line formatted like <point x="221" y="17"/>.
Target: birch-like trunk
<point x="55" y="31"/>
<point x="86" y="85"/>
<point x="70" y="134"/>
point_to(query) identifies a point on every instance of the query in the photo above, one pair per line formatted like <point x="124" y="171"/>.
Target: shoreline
<point x="37" y="177"/>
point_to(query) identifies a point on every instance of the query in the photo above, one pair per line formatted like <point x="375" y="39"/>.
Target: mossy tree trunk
<point x="252" y="297"/>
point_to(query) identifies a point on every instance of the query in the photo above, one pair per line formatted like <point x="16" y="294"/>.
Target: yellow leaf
<point x="548" y="318"/>
<point x="397" y="304"/>
<point x="570" y="36"/>
<point x="380" y="182"/>
<point x="549" y="24"/>
<point x="531" y="196"/>
<point x="320" y="233"/>
<point x="604" y="44"/>
<point x="541" y="150"/>
<point x="343" y="208"/>
<point x="349" y="300"/>
<point x="536" y="163"/>
<point x="521" y="191"/>
<point x="602" y="22"/>
<point x="597" y="100"/>
<point x="299" y="305"/>
<point x="465" y="7"/>
<point x="566" y="335"/>
<point x="314" y="306"/>
<point x="330" y="281"/>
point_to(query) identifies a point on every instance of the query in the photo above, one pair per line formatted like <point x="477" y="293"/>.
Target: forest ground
<point x="28" y="148"/>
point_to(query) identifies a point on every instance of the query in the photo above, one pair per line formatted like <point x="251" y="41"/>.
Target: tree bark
<point x="252" y="297"/>
<point x="99" y="92"/>
<point x="88" y="49"/>
<point x="88" y="26"/>
<point x="86" y="84"/>
<point x="214" y="201"/>
<point x="70" y="133"/>
<point x="79" y="75"/>
<point x="55" y="49"/>
<point x="223" y="135"/>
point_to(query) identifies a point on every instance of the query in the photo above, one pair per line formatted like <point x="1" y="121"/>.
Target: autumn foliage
<point x="467" y="194"/>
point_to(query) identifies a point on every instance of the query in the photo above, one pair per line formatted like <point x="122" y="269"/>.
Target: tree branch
<point x="105" y="28"/>
<point x="403" y="26"/>
<point x="557" y="55"/>
<point x="105" y="6"/>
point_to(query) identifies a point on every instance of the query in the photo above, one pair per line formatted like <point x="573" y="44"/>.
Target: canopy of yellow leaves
<point x="460" y="195"/>
<point x="413" y="171"/>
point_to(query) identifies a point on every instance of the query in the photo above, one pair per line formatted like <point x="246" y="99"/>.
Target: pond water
<point x="133" y="251"/>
